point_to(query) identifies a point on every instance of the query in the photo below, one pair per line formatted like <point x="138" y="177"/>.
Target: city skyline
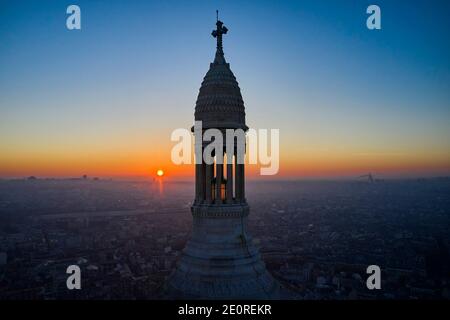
<point x="344" y="193"/>
<point x="103" y="100"/>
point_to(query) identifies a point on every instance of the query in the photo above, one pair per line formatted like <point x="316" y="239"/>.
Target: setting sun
<point x="159" y="173"/>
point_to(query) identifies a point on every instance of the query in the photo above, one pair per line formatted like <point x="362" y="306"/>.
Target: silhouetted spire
<point x="220" y="30"/>
<point x="220" y="261"/>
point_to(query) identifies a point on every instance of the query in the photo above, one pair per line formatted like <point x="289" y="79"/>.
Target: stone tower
<point x="220" y="261"/>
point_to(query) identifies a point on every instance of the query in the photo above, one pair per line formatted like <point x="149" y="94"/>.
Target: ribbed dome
<point x="219" y="102"/>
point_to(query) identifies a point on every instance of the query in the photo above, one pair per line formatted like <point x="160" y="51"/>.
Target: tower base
<point x="220" y="261"/>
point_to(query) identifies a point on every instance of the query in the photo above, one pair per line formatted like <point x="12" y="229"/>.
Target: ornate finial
<point x="220" y="30"/>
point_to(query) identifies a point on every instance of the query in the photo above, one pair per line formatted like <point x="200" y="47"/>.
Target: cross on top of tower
<point x="220" y="30"/>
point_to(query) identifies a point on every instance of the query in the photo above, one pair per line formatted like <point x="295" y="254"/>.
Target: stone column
<point x="238" y="180"/>
<point x="208" y="182"/>
<point x="219" y="175"/>
<point x="198" y="181"/>
<point x="229" y="178"/>
<point x="202" y="182"/>
<point x="243" y="182"/>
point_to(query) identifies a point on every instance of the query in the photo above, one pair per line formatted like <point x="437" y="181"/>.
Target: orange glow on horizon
<point x="139" y="159"/>
<point x="291" y="168"/>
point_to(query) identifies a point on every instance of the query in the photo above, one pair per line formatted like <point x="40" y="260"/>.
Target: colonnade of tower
<point x="222" y="182"/>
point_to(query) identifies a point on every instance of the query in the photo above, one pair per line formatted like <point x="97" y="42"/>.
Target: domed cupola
<point x="219" y="102"/>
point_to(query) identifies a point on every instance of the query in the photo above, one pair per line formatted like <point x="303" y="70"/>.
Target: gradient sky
<point x="103" y="100"/>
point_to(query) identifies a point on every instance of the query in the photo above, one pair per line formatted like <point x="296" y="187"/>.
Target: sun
<point x="159" y="173"/>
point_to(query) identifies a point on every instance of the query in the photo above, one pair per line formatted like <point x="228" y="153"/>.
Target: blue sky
<point x="310" y="68"/>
